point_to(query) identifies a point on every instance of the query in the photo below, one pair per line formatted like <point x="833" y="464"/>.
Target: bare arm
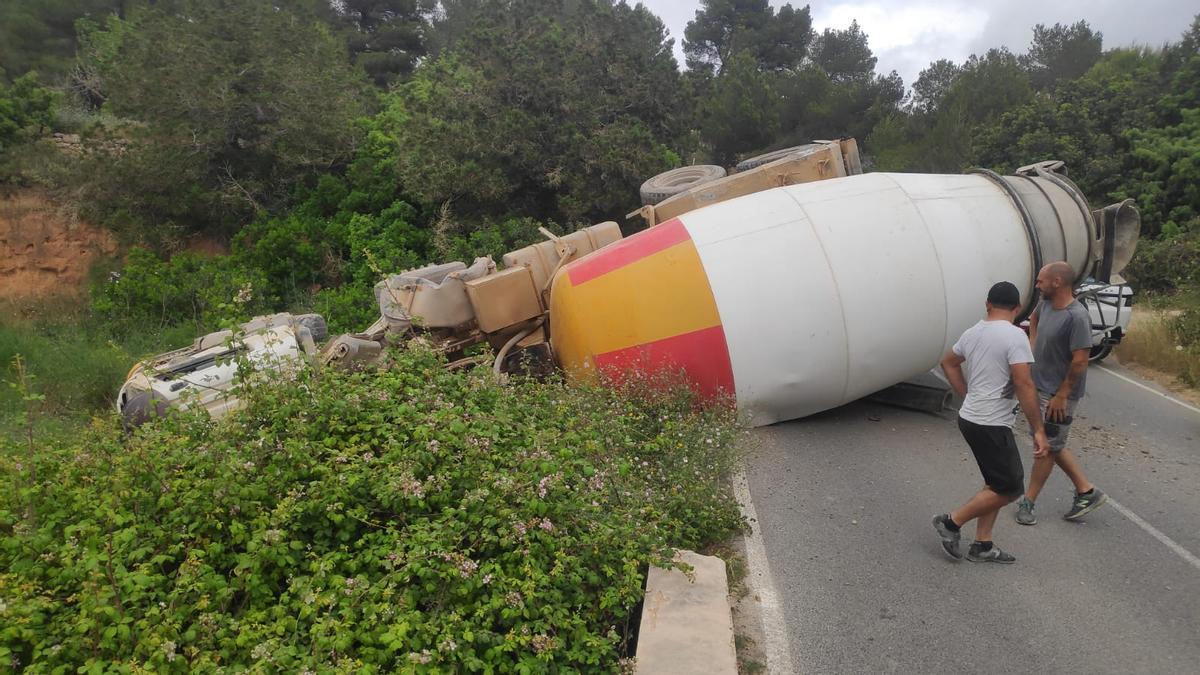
<point x="952" y="367"/>
<point x="1022" y="376"/>
<point x="1057" y="409"/>
<point x="1033" y="322"/>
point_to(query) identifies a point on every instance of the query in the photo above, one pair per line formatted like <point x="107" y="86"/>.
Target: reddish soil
<point x="45" y="250"/>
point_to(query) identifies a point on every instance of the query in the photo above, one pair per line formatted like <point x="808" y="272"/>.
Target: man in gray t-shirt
<point x="1060" y="332"/>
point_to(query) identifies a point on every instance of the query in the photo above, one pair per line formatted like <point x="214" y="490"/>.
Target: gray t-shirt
<point x="1060" y="332"/>
<point x="991" y="348"/>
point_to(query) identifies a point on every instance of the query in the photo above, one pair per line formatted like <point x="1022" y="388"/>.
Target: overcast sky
<point x="906" y="35"/>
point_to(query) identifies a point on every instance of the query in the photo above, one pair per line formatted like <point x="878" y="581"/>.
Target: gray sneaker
<point x="993" y="554"/>
<point x="950" y="540"/>
<point x="1085" y="504"/>
<point x="1025" y="512"/>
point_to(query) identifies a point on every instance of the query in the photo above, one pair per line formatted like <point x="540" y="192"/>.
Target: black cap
<point x="1004" y="295"/>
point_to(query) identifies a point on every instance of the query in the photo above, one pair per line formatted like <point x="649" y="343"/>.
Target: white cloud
<point x="907" y="36"/>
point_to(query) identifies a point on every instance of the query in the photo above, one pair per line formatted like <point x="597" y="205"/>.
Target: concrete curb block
<point x="686" y="624"/>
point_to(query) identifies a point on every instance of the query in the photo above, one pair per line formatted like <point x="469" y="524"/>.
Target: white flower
<point x="262" y="651"/>
<point x="244" y="294"/>
<point x="466" y="567"/>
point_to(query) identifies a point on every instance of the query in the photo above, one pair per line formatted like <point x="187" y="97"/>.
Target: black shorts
<point x="996" y="452"/>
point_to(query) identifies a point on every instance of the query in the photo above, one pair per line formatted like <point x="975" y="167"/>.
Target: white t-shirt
<point x="989" y="348"/>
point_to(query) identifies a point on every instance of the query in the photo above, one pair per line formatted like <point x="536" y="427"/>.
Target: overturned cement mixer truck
<point x="794" y="285"/>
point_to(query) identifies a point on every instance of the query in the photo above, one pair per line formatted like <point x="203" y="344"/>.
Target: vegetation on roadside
<point x="1166" y="272"/>
<point x="1165" y="335"/>
<point x="410" y="519"/>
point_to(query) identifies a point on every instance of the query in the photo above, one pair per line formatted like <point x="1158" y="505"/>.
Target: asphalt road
<point x="844" y="501"/>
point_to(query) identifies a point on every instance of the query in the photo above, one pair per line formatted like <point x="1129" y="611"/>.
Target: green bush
<point x="150" y="294"/>
<point x="1167" y="263"/>
<point x="325" y="255"/>
<point x="413" y="520"/>
<point x="1186" y="326"/>
<point x="24" y="104"/>
<point x="491" y="239"/>
<point x="348" y="308"/>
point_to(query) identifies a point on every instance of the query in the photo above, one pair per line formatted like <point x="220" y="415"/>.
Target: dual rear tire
<point x="670" y="183"/>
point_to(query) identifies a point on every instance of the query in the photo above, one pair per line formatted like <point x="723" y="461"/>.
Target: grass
<point x="47" y="429"/>
<point x="1165" y="336"/>
<point x="73" y="370"/>
<point x="75" y="364"/>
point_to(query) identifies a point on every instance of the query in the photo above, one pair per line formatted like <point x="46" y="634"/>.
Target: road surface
<point x="854" y="580"/>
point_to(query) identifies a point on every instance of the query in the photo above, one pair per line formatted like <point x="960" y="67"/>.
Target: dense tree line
<point x="328" y="140"/>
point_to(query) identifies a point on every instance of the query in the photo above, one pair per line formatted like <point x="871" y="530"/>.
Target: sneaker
<point x="950" y="540"/>
<point x="1025" y="512"/>
<point x="1085" y="504"/>
<point x="993" y="554"/>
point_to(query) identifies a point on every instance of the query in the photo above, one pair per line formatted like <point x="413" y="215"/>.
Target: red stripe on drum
<point x="628" y="250"/>
<point x="703" y="355"/>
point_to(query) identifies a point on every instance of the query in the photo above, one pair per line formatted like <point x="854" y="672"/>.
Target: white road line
<point x="1152" y="390"/>
<point x="1153" y="532"/>
<point x="778" y="653"/>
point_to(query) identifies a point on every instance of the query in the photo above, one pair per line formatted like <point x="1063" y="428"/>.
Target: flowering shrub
<point x="413" y="520"/>
<point x="150" y="293"/>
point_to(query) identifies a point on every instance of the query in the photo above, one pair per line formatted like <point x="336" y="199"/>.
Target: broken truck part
<point x="204" y="373"/>
<point x="803" y="164"/>
<point x="453" y="306"/>
<point x="793" y="287"/>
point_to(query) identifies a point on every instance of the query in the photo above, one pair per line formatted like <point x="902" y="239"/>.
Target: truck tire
<point x="315" y="323"/>
<point x="671" y="183"/>
<point x="765" y="158"/>
<point x="1099" y="353"/>
<point x="143" y="406"/>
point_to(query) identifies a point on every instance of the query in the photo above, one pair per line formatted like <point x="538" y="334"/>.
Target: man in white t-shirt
<point x="997" y="358"/>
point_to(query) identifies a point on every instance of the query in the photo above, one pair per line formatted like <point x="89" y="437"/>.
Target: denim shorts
<point x="1056" y="432"/>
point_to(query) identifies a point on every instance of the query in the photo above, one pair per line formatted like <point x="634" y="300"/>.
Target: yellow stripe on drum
<point x="659" y="296"/>
<point x="568" y="330"/>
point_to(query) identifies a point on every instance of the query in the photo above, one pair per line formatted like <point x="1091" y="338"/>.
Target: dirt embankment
<point x="45" y="251"/>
